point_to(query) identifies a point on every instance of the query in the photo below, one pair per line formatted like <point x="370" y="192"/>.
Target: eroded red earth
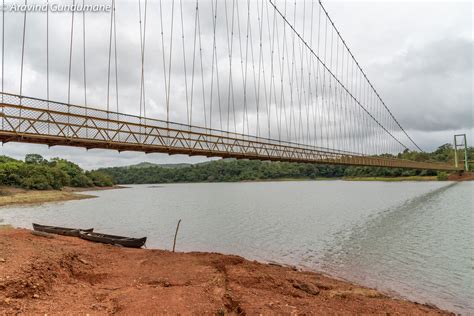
<point x="66" y="275"/>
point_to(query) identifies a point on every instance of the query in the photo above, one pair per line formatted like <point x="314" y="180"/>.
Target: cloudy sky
<point x="418" y="55"/>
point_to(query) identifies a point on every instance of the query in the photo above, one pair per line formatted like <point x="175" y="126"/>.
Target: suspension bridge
<point x="261" y="79"/>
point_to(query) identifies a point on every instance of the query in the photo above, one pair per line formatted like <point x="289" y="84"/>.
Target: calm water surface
<point x="413" y="239"/>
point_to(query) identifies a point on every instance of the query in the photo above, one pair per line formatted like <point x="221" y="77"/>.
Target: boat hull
<point x="65" y="231"/>
<point x="114" y="240"/>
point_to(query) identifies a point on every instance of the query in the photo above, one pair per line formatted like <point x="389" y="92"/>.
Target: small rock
<point x="97" y="307"/>
<point x="7" y="300"/>
<point x="83" y="261"/>
<point x="36" y="295"/>
<point x="308" y="288"/>
<point x="19" y="294"/>
<point x="3" y="260"/>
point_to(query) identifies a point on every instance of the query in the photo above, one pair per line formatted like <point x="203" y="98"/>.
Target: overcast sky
<point x="418" y="55"/>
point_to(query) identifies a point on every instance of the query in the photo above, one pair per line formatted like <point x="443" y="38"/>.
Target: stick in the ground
<point x="175" y="234"/>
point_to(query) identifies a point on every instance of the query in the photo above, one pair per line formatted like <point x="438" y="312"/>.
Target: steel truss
<point x="31" y="120"/>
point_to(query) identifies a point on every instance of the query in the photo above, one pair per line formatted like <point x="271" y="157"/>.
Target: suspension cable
<point x="110" y="54"/>
<point x="47" y="59"/>
<point x="202" y="68"/>
<point x="84" y="64"/>
<point x="3" y="49"/>
<point x="170" y="63"/>
<point x="367" y="79"/>
<point x="184" y="62"/>
<point x="214" y="17"/>
<point x="47" y="54"/>
<point x="23" y="50"/>
<point x="142" y="45"/>
<point x="3" y="58"/>
<point x="115" y="58"/>
<point x="84" y="53"/>
<point x="70" y="56"/>
<point x="332" y="74"/>
<point x="164" y="60"/>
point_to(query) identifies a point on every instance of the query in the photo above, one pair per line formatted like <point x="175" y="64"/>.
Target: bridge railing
<point x="35" y="120"/>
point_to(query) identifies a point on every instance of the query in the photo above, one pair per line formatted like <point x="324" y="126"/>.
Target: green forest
<point x="37" y="173"/>
<point x="230" y="170"/>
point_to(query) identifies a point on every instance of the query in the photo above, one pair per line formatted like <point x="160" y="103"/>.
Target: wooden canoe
<point x="60" y="230"/>
<point x="114" y="240"/>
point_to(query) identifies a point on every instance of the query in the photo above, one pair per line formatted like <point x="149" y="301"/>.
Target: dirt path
<point x="61" y="275"/>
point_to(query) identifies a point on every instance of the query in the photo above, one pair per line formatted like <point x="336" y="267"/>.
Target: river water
<point x="410" y="239"/>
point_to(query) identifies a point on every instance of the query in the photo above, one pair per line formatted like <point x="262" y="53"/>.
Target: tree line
<point x="229" y="170"/>
<point x="37" y="173"/>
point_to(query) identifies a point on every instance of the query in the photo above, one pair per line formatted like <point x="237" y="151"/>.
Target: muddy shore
<point x="66" y="275"/>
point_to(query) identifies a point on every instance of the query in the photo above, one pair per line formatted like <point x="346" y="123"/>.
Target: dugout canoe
<point x="60" y="230"/>
<point x="113" y="239"/>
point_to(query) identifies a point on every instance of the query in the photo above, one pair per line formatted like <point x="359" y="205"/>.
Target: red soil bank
<point x="66" y="275"/>
<point x="464" y="176"/>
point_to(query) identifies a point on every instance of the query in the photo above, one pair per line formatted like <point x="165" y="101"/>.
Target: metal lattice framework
<point x="276" y="77"/>
<point x="31" y="120"/>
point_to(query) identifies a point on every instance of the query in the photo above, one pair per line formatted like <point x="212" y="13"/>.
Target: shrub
<point x="35" y="159"/>
<point x="82" y="181"/>
<point x="442" y="176"/>
<point x="100" y="179"/>
<point x="36" y="182"/>
<point x="10" y="173"/>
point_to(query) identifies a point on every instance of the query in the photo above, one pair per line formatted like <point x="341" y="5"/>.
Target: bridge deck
<point x="31" y="120"/>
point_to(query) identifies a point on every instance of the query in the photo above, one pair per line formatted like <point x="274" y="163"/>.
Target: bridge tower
<point x="461" y="144"/>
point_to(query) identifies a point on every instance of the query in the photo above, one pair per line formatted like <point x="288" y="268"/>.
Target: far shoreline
<point x="355" y="179"/>
<point x="12" y="196"/>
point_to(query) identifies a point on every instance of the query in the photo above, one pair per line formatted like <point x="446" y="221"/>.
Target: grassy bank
<point x="16" y="196"/>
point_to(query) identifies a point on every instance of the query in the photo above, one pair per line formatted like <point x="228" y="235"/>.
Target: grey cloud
<point x="429" y="86"/>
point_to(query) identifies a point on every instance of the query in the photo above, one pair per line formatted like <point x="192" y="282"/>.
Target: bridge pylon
<point x="462" y="145"/>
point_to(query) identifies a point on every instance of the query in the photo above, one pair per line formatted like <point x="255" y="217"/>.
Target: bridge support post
<point x="455" y="152"/>
<point x="466" y="162"/>
<point x="462" y="145"/>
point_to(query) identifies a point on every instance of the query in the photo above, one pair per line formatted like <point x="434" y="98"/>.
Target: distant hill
<point x="175" y="165"/>
<point x="150" y="164"/>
